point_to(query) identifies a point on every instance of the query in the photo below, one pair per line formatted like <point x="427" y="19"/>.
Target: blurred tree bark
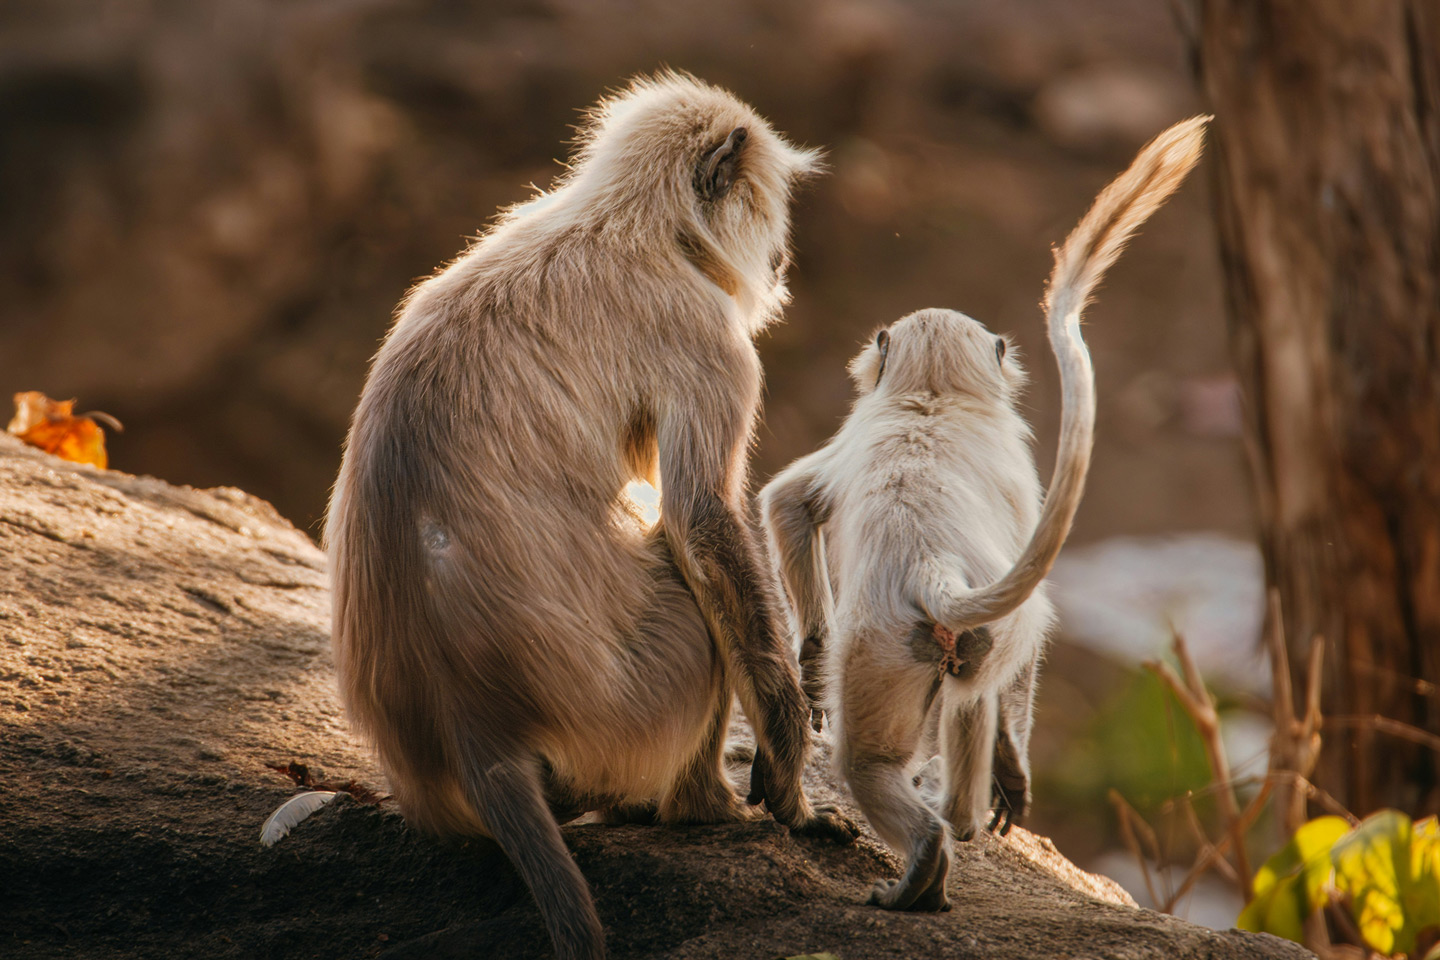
<point x="1327" y="158"/>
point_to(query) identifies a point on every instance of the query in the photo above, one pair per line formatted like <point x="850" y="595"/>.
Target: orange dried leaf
<point x="52" y="426"/>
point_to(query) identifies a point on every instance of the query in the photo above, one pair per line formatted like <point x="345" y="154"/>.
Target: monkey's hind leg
<point x="967" y="743"/>
<point x="1011" y="799"/>
<point x="703" y="793"/>
<point x="892" y="804"/>
<point x="509" y="797"/>
<point x="881" y="724"/>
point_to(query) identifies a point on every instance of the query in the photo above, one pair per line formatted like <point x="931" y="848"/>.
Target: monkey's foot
<point x="964" y="833"/>
<point x="923" y="886"/>
<point x="933" y="900"/>
<point x="621" y="813"/>
<point x="827" y="822"/>
<point x="1003" y="820"/>
<point x="733" y="813"/>
<point x="706" y="801"/>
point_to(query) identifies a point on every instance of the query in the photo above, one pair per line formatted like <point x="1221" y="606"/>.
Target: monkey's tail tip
<point x="1095" y="243"/>
<point x="1180" y="144"/>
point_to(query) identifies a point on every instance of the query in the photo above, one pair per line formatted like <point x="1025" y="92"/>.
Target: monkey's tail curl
<point x="1094" y="244"/>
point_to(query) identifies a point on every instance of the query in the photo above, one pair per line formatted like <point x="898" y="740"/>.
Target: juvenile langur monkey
<point x="517" y="647"/>
<point x="936" y="547"/>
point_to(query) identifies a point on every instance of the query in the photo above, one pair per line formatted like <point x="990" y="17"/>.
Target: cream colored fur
<point x="930" y="511"/>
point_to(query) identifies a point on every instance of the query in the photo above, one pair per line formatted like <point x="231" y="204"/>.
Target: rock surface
<point x="162" y="649"/>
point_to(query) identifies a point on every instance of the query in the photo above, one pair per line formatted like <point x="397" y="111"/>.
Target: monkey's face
<point x="938" y="352"/>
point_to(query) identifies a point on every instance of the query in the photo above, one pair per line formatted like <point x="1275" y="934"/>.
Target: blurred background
<point x="209" y="208"/>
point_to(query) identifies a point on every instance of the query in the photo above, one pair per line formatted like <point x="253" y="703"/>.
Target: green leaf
<point x="1293" y="883"/>
<point x="1422" y="905"/>
<point x="1281" y="910"/>
<point x="1390" y="871"/>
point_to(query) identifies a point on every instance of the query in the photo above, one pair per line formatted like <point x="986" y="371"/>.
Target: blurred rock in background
<point x="209" y="208"/>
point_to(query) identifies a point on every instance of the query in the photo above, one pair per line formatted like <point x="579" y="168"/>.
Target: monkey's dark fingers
<point x="828" y="823"/>
<point x="759" y="772"/>
<point x="1002" y="818"/>
<point x="882" y="893"/>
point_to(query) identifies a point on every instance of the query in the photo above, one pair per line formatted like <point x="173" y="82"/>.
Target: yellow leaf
<point x="1293" y="883"/>
<point x="1390" y="872"/>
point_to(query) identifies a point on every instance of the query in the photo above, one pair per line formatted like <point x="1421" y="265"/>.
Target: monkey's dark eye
<point x="999" y="349"/>
<point x="882" y="343"/>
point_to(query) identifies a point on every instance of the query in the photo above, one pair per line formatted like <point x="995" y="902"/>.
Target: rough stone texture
<point x="161" y="647"/>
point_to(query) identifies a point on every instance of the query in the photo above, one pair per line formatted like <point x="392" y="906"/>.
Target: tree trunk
<point x="1326" y="149"/>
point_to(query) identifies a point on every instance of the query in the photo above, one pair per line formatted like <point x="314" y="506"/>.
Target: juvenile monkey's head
<point x="673" y="160"/>
<point x="939" y="352"/>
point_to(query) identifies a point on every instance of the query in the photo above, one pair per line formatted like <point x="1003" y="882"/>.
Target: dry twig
<point x="1295" y="744"/>
<point x="1129" y="818"/>
<point x="1195" y="697"/>
<point x="1395" y="728"/>
<point x="1206" y="860"/>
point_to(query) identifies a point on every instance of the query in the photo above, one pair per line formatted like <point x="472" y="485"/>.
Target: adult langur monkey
<point x="518" y="648"/>
<point x="936" y="546"/>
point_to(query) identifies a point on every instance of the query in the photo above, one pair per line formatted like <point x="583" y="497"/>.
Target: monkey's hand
<point x="1010" y="800"/>
<point x="824" y="820"/>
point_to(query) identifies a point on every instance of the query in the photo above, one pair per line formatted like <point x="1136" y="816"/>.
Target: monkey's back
<point x="477" y="528"/>
<point x="917" y="481"/>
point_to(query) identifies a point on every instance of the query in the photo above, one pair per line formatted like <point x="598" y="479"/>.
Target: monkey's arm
<point x="703" y="439"/>
<point x="792" y="508"/>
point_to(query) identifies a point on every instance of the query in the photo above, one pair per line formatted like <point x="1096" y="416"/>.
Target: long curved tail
<point x="1080" y="264"/>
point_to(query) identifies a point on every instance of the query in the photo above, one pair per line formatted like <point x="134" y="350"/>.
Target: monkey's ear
<point x="882" y="343"/>
<point x="716" y="173"/>
<point x="1000" y="349"/>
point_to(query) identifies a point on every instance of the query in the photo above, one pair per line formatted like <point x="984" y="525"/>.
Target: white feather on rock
<point x="290" y="813"/>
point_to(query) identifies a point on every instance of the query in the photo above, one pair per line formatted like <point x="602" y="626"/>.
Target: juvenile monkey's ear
<point x="882" y="343"/>
<point x="716" y="173"/>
